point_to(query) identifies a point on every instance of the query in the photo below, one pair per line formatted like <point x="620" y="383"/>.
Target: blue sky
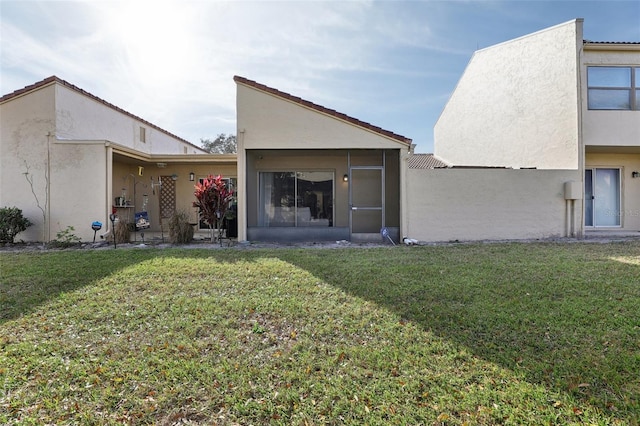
<point x="391" y="63"/>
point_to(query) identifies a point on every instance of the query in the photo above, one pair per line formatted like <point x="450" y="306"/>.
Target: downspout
<point x="241" y="167"/>
<point x="579" y="232"/>
<point x="108" y="172"/>
<point x="48" y="181"/>
<point x="570" y="218"/>
<point x="404" y="200"/>
<point x="349" y="194"/>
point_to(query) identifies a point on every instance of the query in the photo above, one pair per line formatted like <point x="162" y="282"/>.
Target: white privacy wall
<point x="486" y="204"/>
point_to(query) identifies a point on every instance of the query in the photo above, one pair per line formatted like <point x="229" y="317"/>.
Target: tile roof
<point x="426" y="161"/>
<point x="611" y="42"/>
<point x="322" y="109"/>
<point x="55" y="79"/>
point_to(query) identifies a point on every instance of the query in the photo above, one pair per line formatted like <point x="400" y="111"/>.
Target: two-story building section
<point x="554" y="101"/>
<point x="610" y="117"/>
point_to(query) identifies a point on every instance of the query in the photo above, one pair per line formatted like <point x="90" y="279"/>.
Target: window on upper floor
<point x="143" y="134"/>
<point x="614" y="88"/>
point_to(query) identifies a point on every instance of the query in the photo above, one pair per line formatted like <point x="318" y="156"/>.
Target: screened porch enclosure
<point x="321" y="195"/>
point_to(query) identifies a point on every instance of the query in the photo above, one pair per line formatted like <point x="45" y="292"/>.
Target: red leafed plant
<point x="213" y="198"/>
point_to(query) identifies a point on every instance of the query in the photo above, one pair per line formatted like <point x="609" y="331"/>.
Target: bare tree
<point x="43" y="208"/>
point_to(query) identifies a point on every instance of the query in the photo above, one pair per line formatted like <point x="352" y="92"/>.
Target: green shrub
<point x="180" y="230"/>
<point x="65" y="238"/>
<point x="11" y="223"/>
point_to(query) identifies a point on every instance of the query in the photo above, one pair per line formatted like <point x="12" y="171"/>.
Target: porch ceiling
<point x="139" y="158"/>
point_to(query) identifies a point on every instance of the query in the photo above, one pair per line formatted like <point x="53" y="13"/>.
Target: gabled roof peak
<point x="324" y="110"/>
<point x="55" y="79"/>
<point x="30" y="87"/>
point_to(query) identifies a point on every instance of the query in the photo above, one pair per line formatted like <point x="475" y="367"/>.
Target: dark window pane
<point x="277" y="199"/>
<point x="296" y="199"/>
<point x="315" y="199"/>
<point x="637" y="77"/>
<point x="609" y="99"/>
<point x="638" y="100"/>
<point x="609" y="77"/>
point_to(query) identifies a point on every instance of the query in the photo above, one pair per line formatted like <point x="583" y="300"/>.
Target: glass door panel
<point x="588" y="197"/>
<point x="607" y="197"/>
<point x="602" y="197"/>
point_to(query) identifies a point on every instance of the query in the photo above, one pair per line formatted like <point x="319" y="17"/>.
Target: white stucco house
<point x="87" y="158"/>
<point x="312" y="173"/>
<point x="540" y="138"/>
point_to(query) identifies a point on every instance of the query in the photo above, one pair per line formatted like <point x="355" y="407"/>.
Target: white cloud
<point x="172" y="62"/>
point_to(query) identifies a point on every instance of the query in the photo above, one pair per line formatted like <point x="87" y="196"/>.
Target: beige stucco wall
<point x="82" y="117"/>
<point x="268" y="122"/>
<point x="609" y="128"/>
<point x="630" y="187"/>
<point x="69" y="182"/>
<point x="64" y="139"/>
<point x="78" y="184"/>
<point x="479" y="204"/>
<point x="516" y="105"/>
<point x="25" y="123"/>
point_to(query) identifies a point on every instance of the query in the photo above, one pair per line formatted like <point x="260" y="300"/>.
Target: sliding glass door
<point x="296" y="198"/>
<point x="602" y="197"/>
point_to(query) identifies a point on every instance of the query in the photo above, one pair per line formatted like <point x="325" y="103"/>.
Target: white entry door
<point x="602" y="197"/>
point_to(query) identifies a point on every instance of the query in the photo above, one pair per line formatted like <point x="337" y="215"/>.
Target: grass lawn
<point x="535" y="334"/>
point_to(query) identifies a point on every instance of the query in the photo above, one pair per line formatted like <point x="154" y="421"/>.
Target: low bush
<point x="65" y="238"/>
<point x="12" y="222"/>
